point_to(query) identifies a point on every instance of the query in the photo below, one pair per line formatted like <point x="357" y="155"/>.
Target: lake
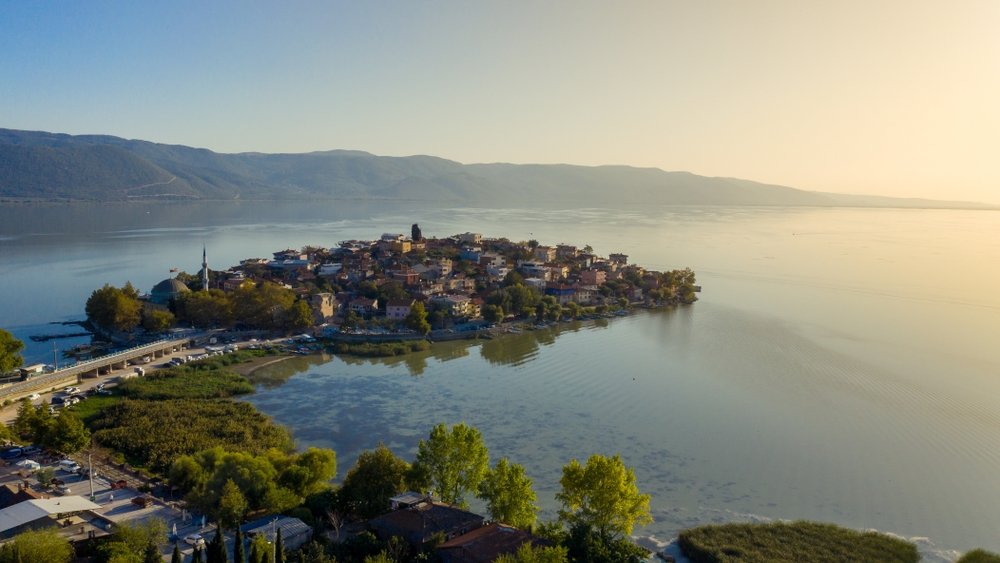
<point x="842" y="364"/>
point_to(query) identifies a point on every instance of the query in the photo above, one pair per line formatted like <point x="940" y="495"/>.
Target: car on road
<point x="34" y="396"/>
<point x="69" y="466"/>
<point x="195" y="540"/>
<point x="71" y="390"/>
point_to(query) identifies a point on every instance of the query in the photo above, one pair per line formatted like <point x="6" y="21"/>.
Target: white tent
<point x="29" y="463"/>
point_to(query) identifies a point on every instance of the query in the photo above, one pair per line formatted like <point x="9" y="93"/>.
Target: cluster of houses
<point x="465" y="537"/>
<point x="453" y="275"/>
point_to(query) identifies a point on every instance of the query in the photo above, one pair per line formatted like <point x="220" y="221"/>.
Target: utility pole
<point x="90" y="473"/>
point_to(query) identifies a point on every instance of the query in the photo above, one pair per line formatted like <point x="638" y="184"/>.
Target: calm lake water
<point x="842" y="365"/>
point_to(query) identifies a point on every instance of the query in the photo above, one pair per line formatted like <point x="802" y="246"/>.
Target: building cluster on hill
<point x="454" y="279"/>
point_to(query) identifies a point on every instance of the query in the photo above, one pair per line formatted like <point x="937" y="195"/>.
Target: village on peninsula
<point x="397" y="288"/>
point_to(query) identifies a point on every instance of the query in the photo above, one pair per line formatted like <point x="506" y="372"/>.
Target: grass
<point x="90" y="409"/>
<point x="807" y="542"/>
<point x="380" y="350"/>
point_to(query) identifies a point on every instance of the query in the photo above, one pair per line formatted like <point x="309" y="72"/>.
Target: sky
<point x="892" y="97"/>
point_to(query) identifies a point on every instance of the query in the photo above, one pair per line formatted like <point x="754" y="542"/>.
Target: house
<point x="455" y="305"/>
<point x="330" y="270"/>
<point x="544" y="253"/>
<point x="585" y="294"/>
<point x="398" y="309"/>
<point x="618" y="258"/>
<point x="558" y="272"/>
<point x="566" y="251"/>
<point x="419" y="523"/>
<point x="470" y="238"/>
<point x="471" y="253"/>
<point x="14" y="493"/>
<point x="593" y="277"/>
<point x="486" y="544"/>
<point x="289" y="254"/>
<point x="534" y="270"/>
<point x="294" y="532"/>
<point x="41" y="513"/>
<point x="406" y="276"/>
<point x="363" y="306"/>
<point x="562" y="292"/>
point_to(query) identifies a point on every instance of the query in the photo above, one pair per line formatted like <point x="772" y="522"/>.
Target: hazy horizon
<point x="892" y="99"/>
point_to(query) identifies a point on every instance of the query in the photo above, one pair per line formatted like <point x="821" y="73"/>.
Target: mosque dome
<point x="166" y="290"/>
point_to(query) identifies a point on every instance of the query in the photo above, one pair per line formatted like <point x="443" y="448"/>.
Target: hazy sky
<point x="881" y="97"/>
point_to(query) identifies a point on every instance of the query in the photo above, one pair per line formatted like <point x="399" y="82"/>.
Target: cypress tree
<point x="217" y="551"/>
<point x="152" y="554"/>
<point x="238" y="554"/>
<point x="279" y="548"/>
<point x="196" y="556"/>
<point x="176" y="557"/>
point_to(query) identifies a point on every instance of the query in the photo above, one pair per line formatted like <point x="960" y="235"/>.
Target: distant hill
<point x="40" y="166"/>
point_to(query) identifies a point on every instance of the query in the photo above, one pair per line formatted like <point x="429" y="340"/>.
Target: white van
<point x="69" y="466"/>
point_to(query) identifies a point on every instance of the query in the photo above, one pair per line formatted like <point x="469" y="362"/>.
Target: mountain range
<point x="41" y="166"/>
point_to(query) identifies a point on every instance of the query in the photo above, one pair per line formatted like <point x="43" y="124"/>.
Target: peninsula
<point x="395" y="288"/>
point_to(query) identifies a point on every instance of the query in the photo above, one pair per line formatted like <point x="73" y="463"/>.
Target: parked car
<point x="195" y="540"/>
<point x="71" y="390"/>
<point x="119" y="484"/>
<point x="11" y="453"/>
<point x="69" y="466"/>
<point x="34" y="396"/>
<point x="31" y="450"/>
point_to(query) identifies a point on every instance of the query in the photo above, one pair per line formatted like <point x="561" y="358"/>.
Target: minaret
<point x="204" y="268"/>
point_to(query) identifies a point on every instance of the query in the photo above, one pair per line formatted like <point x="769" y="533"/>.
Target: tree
<point x="156" y="320"/>
<point x="176" y="556"/>
<point x="416" y="319"/>
<point x="279" y="548"/>
<point x="602" y="495"/>
<point x="454" y="462"/>
<point x="308" y="472"/>
<point x="508" y="495"/>
<point x="300" y="315"/>
<point x="24" y="424"/>
<point x="10" y="352"/>
<point x="151" y="554"/>
<point x="260" y="550"/>
<point x="528" y="553"/>
<point x="239" y="555"/>
<point x="196" y="555"/>
<point x="37" y="546"/>
<point x="232" y="505"/>
<point x="132" y="541"/>
<point x="492" y="313"/>
<point x="114" y="308"/>
<point x="217" y="547"/>
<point x="377" y="476"/>
<point x="68" y="434"/>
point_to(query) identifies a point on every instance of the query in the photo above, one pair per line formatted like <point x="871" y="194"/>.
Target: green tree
<point x="37" y="546"/>
<point x="528" y="553"/>
<point x="24" y="423"/>
<point x="156" y="320"/>
<point x="217" y="547"/>
<point x="509" y="496"/>
<point x="196" y="555"/>
<point x="493" y="313"/>
<point x="206" y="308"/>
<point x="380" y="557"/>
<point x="114" y="308"/>
<point x="151" y="554"/>
<point x="279" y="548"/>
<point x="603" y="495"/>
<point x="10" y="352"/>
<point x="260" y="550"/>
<point x="239" y="553"/>
<point x="351" y="321"/>
<point x="454" y="461"/>
<point x="300" y="315"/>
<point x="416" y="319"/>
<point x="132" y="541"/>
<point x="176" y="556"/>
<point x="377" y="476"/>
<point x="309" y="471"/>
<point x="232" y="505"/>
<point x="68" y="435"/>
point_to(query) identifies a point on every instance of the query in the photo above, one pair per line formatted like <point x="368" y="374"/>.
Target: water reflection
<point x="277" y="373"/>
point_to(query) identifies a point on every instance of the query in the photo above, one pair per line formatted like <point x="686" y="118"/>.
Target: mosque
<point x="171" y="288"/>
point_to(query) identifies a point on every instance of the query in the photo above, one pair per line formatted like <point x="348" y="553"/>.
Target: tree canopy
<point x="603" y="495"/>
<point x="115" y="308"/>
<point x="37" y="546"/>
<point x="377" y="476"/>
<point x="454" y="462"/>
<point x="10" y="352"/>
<point x="508" y="495"/>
